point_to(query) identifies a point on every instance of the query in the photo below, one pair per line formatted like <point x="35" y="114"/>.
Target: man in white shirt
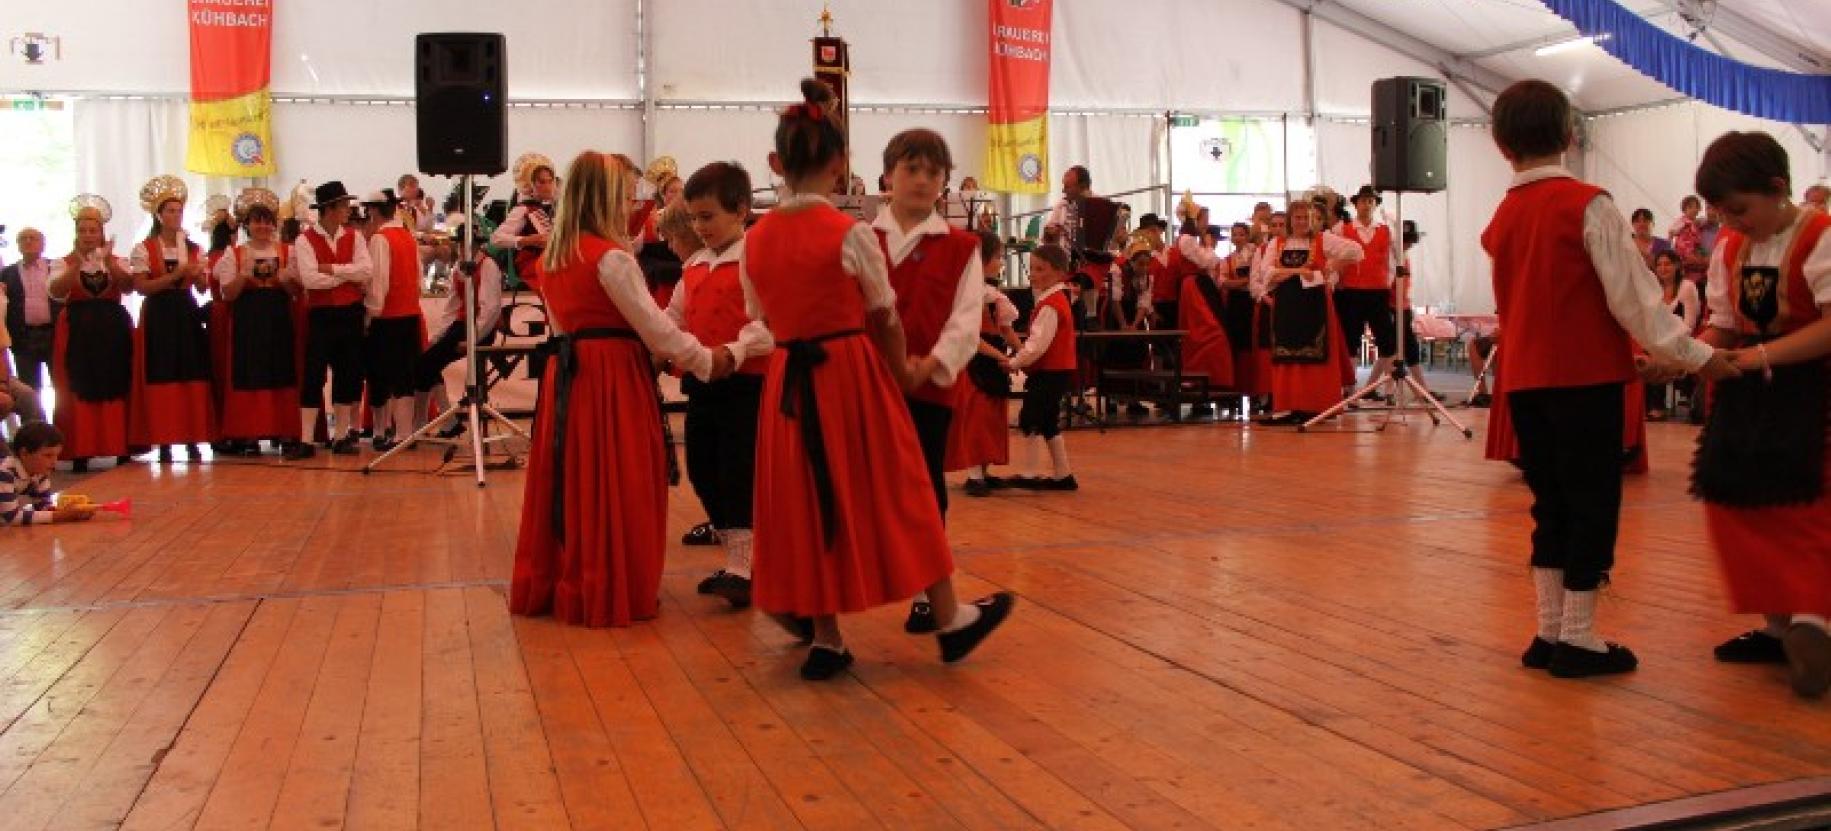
<point x="31" y="314"/>
<point x="334" y="266"/>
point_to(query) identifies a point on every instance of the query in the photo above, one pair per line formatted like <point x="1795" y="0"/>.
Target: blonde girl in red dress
<point x="594" y="513"/>
<point x="844" y="519"/>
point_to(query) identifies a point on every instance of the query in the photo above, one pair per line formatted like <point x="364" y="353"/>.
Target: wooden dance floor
<point x="1223" y="629"/>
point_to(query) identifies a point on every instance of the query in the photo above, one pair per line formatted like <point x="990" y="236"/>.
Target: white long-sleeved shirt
<point x="622" y="281"/>
<point x="753" y="340"/>
<point x="1004" y="312"/>
<point x="1363" y="234"/>
<point x="959" y="336"/>
<point x="1769" y="253"/>
<point x="95" y="262"/>
<point x="514" y="226"/>
<point x="227" y="267"/>
<point x="1115" y="286"/>
<point x="381" y="256"/>
<point x="1337" y="249"/>
<point x="859" y="256"/>
<point x="357" y="270"/>
<point x="1192" y="249"/>
<point x="139" y="261"/>
<point x="1043" y="326"/>
<point x="489" y="301"/>
<point x="1633" y="293"/>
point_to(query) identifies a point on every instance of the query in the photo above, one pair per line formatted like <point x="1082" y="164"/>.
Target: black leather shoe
<point x="1756" y="647"/>
<point x="993" y="609"/>
<point x="921" y="620"/>
<point x="1538" y="655"/>
<point x="734" y="589"/>
<point x="996" y="483"/>
<point x="701" y="534"/>
<point x="824" y="662"/>
<point x="1808" y="654"/>
<point x="1569" y="661"/>
<point x="1066" y="483"/>
<point x="297" y="451"/>
<point x="976" y="487"/>
<point x="1481" y="400"/>
<point x="383" y="444"/>
<point x="79" y="466"/>
<point x="165" y="453"/>
<point x="345" y="446"/>
<point x="705" y="586"/>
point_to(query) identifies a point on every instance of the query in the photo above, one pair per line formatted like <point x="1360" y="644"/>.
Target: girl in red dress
<point x="594" y="509"/>
<point x="981" y="432"/>
<point x="92" y="349"/>
<point x="1204" y="312"/>
<point x="258" y="286"/>
<point x="843" y="518"/>
<point x="172" y="402"/>
<point x="1764" y="456"/>
<point x="1295" y="273"/>
<point x="1236" y="287"/>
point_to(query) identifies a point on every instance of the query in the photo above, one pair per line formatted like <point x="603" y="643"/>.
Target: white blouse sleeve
<point x="1042" y="333"/>
<point x="1004" y="312"/>
<point x="1260" y="281"/>
<point x="1191" y="248"/>
<point x="1632" y="292"/>
<point x="862" y="257"/>
<point x="510" y="230"/>
<point x="1716" y="292"/>
<point x="1340" y="249"/>
<point x="1688" y="299"/>
<point x="960" y="334"/>
<point x="1818" y="270"/>
<point x="227" y="267"/>
<point x="138" y="261"/>
<point x="622" y="280"/>
<point x="381" y="261"/>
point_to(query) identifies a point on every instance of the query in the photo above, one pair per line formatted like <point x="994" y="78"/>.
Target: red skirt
<point x="179" y="412"/>
<point x="1258" y="365"/>
<point x="222" y="317"/>
<point x="91" y="429"/>
<point x="1503" y="443"/>
<point x="1206" y="348"/>
<point x="1776" y="561"/>
<point x="605" y="570"/>
<point x="981" y="430"/>
<point x="1312" y="388"/>
<point x="888" y="542"/>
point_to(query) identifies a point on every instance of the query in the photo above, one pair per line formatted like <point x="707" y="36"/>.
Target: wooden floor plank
<point x="385" y="787"/>
<point x="524" y="790"/>
<point x="454" y="776"/>
<point x="318" y="776"/>
<point x="591" y="777"/>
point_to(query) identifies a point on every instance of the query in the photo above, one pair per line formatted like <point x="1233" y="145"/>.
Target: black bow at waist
<point x="799" y="403"/>
<point x="564" y="350"/>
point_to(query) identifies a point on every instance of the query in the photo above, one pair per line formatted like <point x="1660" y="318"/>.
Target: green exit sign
<point x="30" y="103"/>
<point x="1184" y="120"/>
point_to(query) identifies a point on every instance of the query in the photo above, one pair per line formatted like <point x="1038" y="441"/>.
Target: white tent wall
<point x="1348" y="64"/>
<point x="1647" y="158"/>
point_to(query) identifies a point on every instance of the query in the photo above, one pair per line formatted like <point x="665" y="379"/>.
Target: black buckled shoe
<point x="824" y="662"/>
<point x="1538" y="655"/>
<point x="1756" y="647"/>
<point x="1568" y="661"/>
<point x="996" y="483"/>
<point x="921" y="620"/>
<point x="1808" y="654"/>
<point x="734" y="589"/>
<point x="297" y="451"/>
<point x="705" y="586"/>
<point x="993" y="609"/>
<point x="1066" y="483"/>
<point x="345" y="446"/>
<point x="976" y="487"/>
<point x="701" y="534"/>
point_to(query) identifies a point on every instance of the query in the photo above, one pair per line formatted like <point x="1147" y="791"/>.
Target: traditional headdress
<point x="298" y="204"/>
<point x="1188" y="208"/>
<point x="1139" y="243"/>
<point x="252" y="198"/>
<point x="661" y="170"/>
<point x="91" y="206"/>
<point x="160" y="190"/>
<point x="215" y="209"/>
<point x="525" y="165"/>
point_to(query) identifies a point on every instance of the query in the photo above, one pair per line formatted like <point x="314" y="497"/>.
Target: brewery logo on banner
<point x="1017" y="118"/>
<point x="231" y="72"/>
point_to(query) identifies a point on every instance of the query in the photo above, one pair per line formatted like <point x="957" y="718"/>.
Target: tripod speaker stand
<point x="1404" y="383"/>
<point x="475" y="409"/>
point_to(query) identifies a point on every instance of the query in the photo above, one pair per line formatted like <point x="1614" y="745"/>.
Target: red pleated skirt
<point x="179" y="412"/>
<point x="1503" y="443"/>
<point x="605" y="570"/>
<point x="1775" y="561"/>
<point x="1206" y="348"/>
<point x="1258" y="364"/>
<point x="889" y="542"/>
<point x="980" y="433"/>
<point x="1312" y="388"/>
<point x="91" y="429"/>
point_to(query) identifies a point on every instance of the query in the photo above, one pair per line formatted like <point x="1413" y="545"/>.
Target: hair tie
<point x="806" y="109"/>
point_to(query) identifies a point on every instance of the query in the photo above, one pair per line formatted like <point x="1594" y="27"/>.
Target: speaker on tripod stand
<point x="460" y="83"/>
<point x="1410" y="154"/>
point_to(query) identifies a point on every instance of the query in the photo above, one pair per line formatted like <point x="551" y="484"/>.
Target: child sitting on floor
<point x="25" y="479"/>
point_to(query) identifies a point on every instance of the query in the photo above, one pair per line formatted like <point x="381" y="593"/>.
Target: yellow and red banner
<point x="1017" y="121"/>
<point x="231" y="71"/>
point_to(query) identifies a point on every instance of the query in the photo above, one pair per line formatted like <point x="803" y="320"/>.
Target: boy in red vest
<point x="334" y="266"/>
<point x="1571" y="289"/>
<point x="1364" y="298"/>
<point x="939" y="281"/>
<point x="708" y="304"/>
<point x="395" y="322"/>
<point x="1049" y="360"/>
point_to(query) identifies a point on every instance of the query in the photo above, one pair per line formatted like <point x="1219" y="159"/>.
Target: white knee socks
<point x="402" y="415"/>
<point x="346" y="420"/>
<point x="1549" y="584"/>
<point x="737" y="551"/>
<point x="1058" y="456"/>
<point x="1578" y="627"/>
<point x="976" y="473"/>
<point x="1033" y="455"/>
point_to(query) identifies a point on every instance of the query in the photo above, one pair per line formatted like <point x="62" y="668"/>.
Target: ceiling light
<point x="1567" y="45"/>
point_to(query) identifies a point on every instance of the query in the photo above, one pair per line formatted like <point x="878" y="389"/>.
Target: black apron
<point x="263" y="343"/>
<point x="1300" y="316"/>
<point x="98" y="351"/>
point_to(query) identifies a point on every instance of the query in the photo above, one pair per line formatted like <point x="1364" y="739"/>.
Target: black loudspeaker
<point x="460" y="86"/>
<point x="1410" y="135"/>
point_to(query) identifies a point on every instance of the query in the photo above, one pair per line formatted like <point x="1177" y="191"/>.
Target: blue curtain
<point x="1698" y="72"/>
